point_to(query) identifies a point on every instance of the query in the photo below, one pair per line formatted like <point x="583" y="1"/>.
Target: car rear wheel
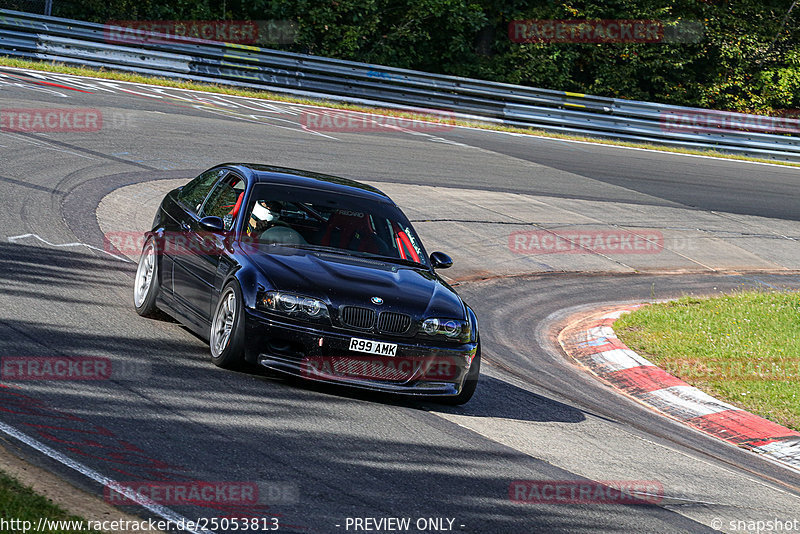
<point x="146" y="284"/>
<point x="227" y="329"/>
<point x="471" y="382"/>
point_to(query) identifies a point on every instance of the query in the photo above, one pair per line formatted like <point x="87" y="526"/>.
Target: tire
<point x="226" y="338"/>
<point x="146" y="283"/>
<point x="470" y="384"/>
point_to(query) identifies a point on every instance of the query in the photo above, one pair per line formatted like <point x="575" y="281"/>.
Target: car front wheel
<point x="146" y="284"/>
<point x="227" y="328"/>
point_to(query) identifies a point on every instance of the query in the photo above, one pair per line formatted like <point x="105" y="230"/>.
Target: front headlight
<point x="449" y="329"/>
<point x="292" y="305"/>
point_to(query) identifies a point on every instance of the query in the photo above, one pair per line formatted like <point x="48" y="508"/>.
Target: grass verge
<point x="742" y="348"/>
<point x="226" y="90"/>
<point x="21" y="503"/>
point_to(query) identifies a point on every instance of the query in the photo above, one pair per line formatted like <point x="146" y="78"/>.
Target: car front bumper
<point x="321" y="353"/>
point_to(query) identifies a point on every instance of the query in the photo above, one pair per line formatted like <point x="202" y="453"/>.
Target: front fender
<point x="248" y="281"/>
<point x="473" y="324"/>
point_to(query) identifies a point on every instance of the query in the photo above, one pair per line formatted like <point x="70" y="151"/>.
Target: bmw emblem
<point x="377" y="301"/>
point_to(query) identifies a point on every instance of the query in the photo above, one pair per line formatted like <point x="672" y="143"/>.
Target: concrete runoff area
<point x="492" y="234"/>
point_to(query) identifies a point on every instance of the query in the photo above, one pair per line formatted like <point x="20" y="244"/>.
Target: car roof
<point x="286" y="176"/>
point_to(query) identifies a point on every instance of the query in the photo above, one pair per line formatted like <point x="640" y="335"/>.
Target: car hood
<point x="353" y="280"/>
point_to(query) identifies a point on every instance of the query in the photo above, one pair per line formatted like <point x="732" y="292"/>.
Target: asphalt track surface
<point x="535" y="416"/>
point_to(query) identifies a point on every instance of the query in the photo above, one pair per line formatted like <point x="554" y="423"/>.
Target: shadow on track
<point x="349" y="454"/>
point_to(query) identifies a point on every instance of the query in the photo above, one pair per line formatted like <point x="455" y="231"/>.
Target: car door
<point x="194" y="280"/>
<point x="179" y="216"/>
<point x="189" y="199"/>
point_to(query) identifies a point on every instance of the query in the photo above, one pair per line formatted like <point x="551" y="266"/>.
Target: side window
<point x="193" y="193"/>
<point x="225" y="200"/>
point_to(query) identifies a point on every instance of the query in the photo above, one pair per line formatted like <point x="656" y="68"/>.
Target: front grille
<point x="357" y="317"/>
<point x="393" y="323"/>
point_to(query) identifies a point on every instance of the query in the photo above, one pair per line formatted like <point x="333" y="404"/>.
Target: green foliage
<point x="21" y="503"/>
<point x="747" y="59"/>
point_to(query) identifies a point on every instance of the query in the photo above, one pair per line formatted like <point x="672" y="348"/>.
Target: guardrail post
<point x="33" y="36"/>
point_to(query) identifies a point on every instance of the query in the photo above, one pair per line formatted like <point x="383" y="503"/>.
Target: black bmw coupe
<point x="312" y="275"/>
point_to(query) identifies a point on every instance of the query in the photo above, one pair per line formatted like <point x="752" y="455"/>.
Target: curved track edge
<point x="592" y="342"/>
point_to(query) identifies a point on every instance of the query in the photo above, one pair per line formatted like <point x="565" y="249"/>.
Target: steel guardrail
<point x="33" y="36"/>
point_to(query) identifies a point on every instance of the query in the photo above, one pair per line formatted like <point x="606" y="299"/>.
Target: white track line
<point x="15" y="238"/>
<point x="138" y="498"/>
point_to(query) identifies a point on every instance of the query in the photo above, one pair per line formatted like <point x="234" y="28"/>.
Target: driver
<point x="265" y="214"/>
<point x="266" y="224"/>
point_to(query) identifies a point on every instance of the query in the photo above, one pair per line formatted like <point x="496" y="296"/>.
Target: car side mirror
<point x="440" y="260"/>
<point x="212" y="224"/>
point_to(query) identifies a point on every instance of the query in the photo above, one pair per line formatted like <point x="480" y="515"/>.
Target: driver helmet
<point x="267" y="210"/>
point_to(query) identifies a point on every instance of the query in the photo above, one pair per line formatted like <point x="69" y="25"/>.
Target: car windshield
<point x="300" y="217"/>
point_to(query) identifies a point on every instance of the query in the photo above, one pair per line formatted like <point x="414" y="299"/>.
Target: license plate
<point x="373" y="347"/>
